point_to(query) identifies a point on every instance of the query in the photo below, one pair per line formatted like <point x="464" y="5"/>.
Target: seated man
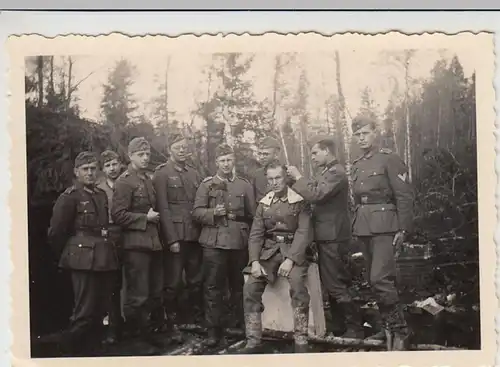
<point x="280" y="235"/>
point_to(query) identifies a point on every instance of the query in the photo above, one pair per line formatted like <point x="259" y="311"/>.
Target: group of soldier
<point x="136" y="241"/>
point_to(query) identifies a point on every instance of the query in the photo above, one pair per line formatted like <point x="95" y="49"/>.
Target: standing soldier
<point x="79" y="234"/>
<point x="383" y="217"/>
<point x="224" y="205"/>
<point x="176" y="184"/>
<point x="328" y="191"/>
<point x="280" y="234"/>
<point x="133" y="209"/>
<point x="268" y="150"/>
<point x="111" y="167"/>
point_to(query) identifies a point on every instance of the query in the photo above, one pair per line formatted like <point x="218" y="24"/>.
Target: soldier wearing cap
<point x="224" y="206"/>
<point x="383" y="217"/>
<point x="176" y="183"/>
<point x="111" y="167"/>
<point x="268" y="150"/>
<point x="134" y="209"/>
<point x="280" y="234"/>
<point x="328" y="192"/>
<point x="78" y="233"/>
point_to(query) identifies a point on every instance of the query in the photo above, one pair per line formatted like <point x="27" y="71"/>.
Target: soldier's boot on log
<point x="353" y="323"/>
<point x="253" y="331"/>
<point x="214" y="336"/>
<point x="301" y="325"/>
<point x="397" y="331"/>
<point x="379" y="327"/>
<point x="334" y="318"/>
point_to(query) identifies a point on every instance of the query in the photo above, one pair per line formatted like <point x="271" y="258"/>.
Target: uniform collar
<point x="177" y="166"/>
<point x="291" y="196"/>
<point x="138" y="173"/>
<point x="231" y="179"/>
<point x="330" y="164"/>
<point x="90" y="190"/>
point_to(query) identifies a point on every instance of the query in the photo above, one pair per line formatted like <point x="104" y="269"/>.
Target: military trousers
<point x="333" y="269"/>
<point x="92" y="293"/>
<point x="254" y="287"/>
<point x="221" y="267"/>
<point x="188" y="262"/>
<point x="144" y="285"/>
<point x="380" y="262"/>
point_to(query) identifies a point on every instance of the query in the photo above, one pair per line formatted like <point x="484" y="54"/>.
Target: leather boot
<point x="352" y="320"/>
<point x="379" y="329"/>
<point x="214" y="337"/>
<point x="397" y="332"/>
<point x="171" y="326"/>
<point x="253" y="331"/>
<point x="301" y="326"/>
<point x="335" y="319"/>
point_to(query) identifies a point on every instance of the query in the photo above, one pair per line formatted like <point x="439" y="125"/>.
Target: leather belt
<point x="280" y="238"/>
<point x="367" y="200"/>
<point x="238" y="218"/>
<point x="100" y="232"/>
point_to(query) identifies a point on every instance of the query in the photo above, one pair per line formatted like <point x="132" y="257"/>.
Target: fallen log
<point x="233" y="347"/>
<point x="274" y="335"/>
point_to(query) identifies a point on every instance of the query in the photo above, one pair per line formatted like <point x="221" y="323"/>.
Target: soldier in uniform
<point x="176" y="184"/>
<point x="383" y="217"/>
<point x="111" y="167"/>
<point x="279" y="237"/>
<point x="224" y="206"/>
<point x="328" y="192"/>
<point x="134" y="204"/>
<point x="78" y="233"/>
<point x="268" y="150"/>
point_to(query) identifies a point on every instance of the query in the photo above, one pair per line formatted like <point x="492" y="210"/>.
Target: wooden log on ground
<point x="233" y="347"/>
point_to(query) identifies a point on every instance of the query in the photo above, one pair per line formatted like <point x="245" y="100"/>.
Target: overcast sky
<point x="188" y="84"/>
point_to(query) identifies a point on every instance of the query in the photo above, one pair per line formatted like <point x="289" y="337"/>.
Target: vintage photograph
<point x="247" y="201"/>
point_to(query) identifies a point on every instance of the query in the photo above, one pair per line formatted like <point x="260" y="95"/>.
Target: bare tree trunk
<point x="408" y="158"/>
<point x="70" y="86"/>
<point x="345" y="129"/>
<point x="51" y="85"/>
<point x="166" y="89"/>
<point x="39" y="62"/>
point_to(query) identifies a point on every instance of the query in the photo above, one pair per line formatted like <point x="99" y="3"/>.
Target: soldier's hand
<point x="153" y="216"/>
<point x="175" y="247"/>
<point x="285" y="268"/>
<point x="257" y="270"/>
<point x="220" y="210"/>
<point x="293" y="172"/>
<point x="397" y="242"/>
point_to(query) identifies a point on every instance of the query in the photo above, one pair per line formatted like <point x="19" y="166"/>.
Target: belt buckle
<point x="104" y="232"/>
<point x="364" y="199"/>
<point x="280" y="239"/>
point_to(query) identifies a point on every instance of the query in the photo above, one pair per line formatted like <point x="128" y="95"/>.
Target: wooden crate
<point x="415" y="265"/>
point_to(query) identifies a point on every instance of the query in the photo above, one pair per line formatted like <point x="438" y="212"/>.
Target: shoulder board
<point x="97" y="189"/>
<point x="126" y="173"/>
<point x="332" y="169"/>
<point x="69" y="190"/>
<point x="357" y="159"/>
<point x="244" y="179"/>
<point x="160" y="166"/>
<point x="207" y="179"/>
<point x="385" y="151"/>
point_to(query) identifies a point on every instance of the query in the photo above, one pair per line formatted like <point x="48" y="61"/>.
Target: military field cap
<point x="223" y="149"/>
<point x="138" y="144"/>
<point x="320" y="138"/>
<point x="268" y="143"/>
<point x="85" y="158"/>
<point x="175" y="138"/>
<point x="361" y="121"/>
<point x="109" y="155"/>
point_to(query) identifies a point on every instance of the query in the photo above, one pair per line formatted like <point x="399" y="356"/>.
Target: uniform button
<point x="85" y="211"/>
<point x="383" y="208"/>
<point x="80" y="245"/>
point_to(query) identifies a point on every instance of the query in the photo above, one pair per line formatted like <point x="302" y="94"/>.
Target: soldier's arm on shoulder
<point x="121" y="207"/>
<point x="256" y="237"/>
<point x="166" y="224"/>
<point x="303" y="234"/>
<point x="62" y="220"/>
<point x="201" y="211"/>
<point x="397" y="173"/>
<point x="327" y="184"/>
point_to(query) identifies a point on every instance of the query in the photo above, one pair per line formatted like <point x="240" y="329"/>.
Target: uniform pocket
<point x="179" y="226"/>
<point x="175" y="190"/>
<point x="383" y="219"/>
<point x="78" y="254"/>
<point x="86" y="215"/>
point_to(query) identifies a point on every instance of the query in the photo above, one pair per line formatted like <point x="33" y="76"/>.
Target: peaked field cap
<point x="320" y="138"/>
<point x="223" y="149"/>
<point x="85" y="157"/>
<point x="138" y="144"/>
<point x="175" y="138"/>
<point x="268" y="143"/>
<point x="361" y="121"/>
<point x="109" y="155"/>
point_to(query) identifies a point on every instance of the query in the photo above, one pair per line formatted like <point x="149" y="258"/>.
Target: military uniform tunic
<point x="281" y="229"/>
<point x="328" y="192"/>
<point x="134" y="196"/>
<point x="175" y="188"/>
<point x="260" y="183"/>
<point x="224" y="240"/>
<point x="78" y="233"/>
<point x="384" y="206"/>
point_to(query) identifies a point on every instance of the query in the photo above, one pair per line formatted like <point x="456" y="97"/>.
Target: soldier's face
<point x="319" y="157"/>
<point x="179" y="151"/>
<point x="140" y="159"/>
<point x="276" y="179"/>
<point x="225" y="164"/>
<point x="365" y="137"/>
<point x="112" y="169"/>
<point x="87" y="173"/>
<point x="266" y="155"/>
